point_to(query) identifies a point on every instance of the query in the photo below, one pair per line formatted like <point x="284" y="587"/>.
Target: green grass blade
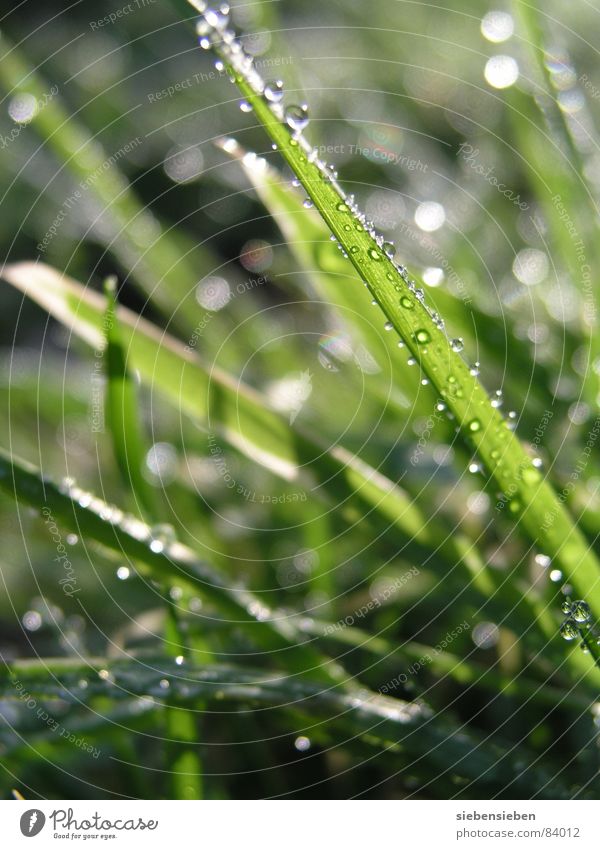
<point x="87" y="515"/>
<point x="526" y="494"/>
<point x="122" y="411"/>
<point x="392" y="724"/>
<point x="226" y="407"/>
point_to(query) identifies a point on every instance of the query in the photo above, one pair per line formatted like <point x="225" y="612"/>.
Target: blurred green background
<point x="455" y="126"/>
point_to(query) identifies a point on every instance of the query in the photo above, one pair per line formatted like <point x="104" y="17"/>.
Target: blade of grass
<point x="393" y="724"/>
<point x="242" y="418"/>
<point x="527" y="495"/>
<point x="92" y="518"/>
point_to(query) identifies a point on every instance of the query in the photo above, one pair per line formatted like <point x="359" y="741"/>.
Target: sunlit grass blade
<point x="122" y="411"/>
<point x="242" y="418"/>
<point x="226" y="407"/>
<point x="527" y="496"/>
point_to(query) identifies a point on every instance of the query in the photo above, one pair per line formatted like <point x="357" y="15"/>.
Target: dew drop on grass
<point x="407" y="303"/>
<point x="274" y="91"/>
<point x="388" y="325"/>
<point x="580" y="611"/>
<point x="342" y="207"/>
<point x="374" y="254"/>
<point x="307" y="203"/>
<point x="457" y="345"/>
<point x="215" y="18"/>
<point x="542" y="560"/>
<point x="531" y="476"/>
<point x="474" y="425"/>
<point x="556" y="576"/>
<point x="297" y="117"/>
<point x="422" y="337"/>
<point x="569" y="630"/>
<point x="389" y="249"/>
<point x="162" y="535"/>
<point x="245" y="106"/>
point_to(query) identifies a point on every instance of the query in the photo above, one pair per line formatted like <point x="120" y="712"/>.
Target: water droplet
<point x="32" y="620"/>
<point x="411" y="361"/>
<point x="475" y="369"/>
<point x="388" y="325"/>
<point x="531" y="476"/>
<point x="245" y="106"/>
<point x="389" y="249"/>
<point x="474" y="425"/>
<point x="302" y="744"/>
<point x="422" y="337"/>
<point x="566" y="607"/>
<point x="407" y="303"/>
<point x="123" y="573"/>
<point x="162" y="535"/>
<point x="164" y="684"/>
<point x="457" y="345"/>
<point x="274" y="91"/>
<point x="543" y="560"/>
<point x="215" y="18"/>
<point x="569" y="630"/>
<point x="374" y="254"/>
<point x="342" y="207"/>
<point x="307" y="203"/>
<point x="556" y="576"/>
<point x="580" y="611"/>
<point x="501" y="71"/>
<point x="297" y="117"/>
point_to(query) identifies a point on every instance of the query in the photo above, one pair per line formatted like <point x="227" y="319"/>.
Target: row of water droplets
<point x="215" y="33"/>
<point x="578" y="623"/>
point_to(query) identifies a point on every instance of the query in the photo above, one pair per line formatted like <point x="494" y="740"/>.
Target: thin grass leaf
<point x="242" y="418"/>
<point x="527" y="496"/>
<point x="391" y="724"/>
<point x="87" y="515"/>
<point x="122" y="411"/>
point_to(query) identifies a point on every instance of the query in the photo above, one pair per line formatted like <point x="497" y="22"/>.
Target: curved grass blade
<point x="94" y="519"/>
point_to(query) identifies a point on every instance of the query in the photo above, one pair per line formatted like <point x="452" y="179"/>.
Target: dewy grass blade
<point x="525" y="494"/>
<point x="389" y="723"/>
<point x="88" y="515"/>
